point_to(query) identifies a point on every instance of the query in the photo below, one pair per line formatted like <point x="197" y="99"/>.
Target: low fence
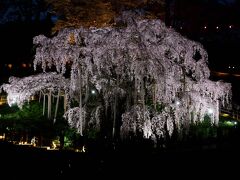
<point x="233" y="112"/>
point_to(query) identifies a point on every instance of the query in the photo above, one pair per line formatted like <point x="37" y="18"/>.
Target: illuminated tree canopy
<point x="146" y="78"/>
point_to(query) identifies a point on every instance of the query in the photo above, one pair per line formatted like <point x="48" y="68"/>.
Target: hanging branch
<point x="86" y="92"/>
<point x="80" y="100"/>
<point x="49" y="104"/>
<point x="56" y="109"/>
<point x="115" y="106"/>
<point x="184" y="79"/>
<point x="143" y="93"/>
<point x="154" y="96"/>
<point x="40" y="95"/>
<point x="44" y="102"/>
<point x="135" y="94"/>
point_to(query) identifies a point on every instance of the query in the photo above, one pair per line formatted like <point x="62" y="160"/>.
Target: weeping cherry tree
<point x="145" y="78"/>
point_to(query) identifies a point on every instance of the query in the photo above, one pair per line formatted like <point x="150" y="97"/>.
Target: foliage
<point x="30" y="121"/>
<point x="98" y="13"/>
<point x="204" y="130"/>
<point x="17" y="122"/>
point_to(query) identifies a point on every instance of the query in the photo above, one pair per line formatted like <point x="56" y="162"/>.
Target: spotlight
<point x="210" y="111"/>
<point x="178" y="103"/>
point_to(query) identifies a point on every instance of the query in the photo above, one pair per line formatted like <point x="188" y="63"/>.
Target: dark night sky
<point x="222" y="34"/>
<point x="222" y="44"/>
<point x="17" y="31"/>
<point x="17" y="28"/>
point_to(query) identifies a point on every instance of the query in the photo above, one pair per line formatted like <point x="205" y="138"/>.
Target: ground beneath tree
<point x="206" y="161"/>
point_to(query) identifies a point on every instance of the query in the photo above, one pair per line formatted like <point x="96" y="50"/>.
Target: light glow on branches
<point x="13" y="98"/>
<point x="20" y="90"/>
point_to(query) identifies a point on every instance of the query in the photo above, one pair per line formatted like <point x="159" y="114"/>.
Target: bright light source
<point x="217" y="27"/>
<point x="12" y="99"/>
<point x="235" y="122"/>
<point x="83" y="149"/>
<point x="230" y="26"/>
<point x="54" y="145"/>
<point x="205" y="27"/>
<point x="2" y="136"/>
<point x="210" y="111"/>
<point x="10" y="66"/>
<point x="93" y="91"/>
<point x="225" y="115"/>
<point x="178" y="103"/>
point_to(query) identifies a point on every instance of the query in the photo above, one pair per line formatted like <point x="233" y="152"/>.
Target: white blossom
<point x="20" y="90"/>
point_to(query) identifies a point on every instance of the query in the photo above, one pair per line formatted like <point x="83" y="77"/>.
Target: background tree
<point x="99" y="13"/>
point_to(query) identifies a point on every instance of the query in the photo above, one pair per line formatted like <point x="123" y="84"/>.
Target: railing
<point x="233" y="112"/>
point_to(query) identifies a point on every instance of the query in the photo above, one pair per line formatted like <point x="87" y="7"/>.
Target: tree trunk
<point x="40" y="95"/>
<point x="44" y="102"/>
<point x="135" y="92"/>
<point x="49" y="104"/>
<point x="64" y="103"/>
<point x="56" y="109"/>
